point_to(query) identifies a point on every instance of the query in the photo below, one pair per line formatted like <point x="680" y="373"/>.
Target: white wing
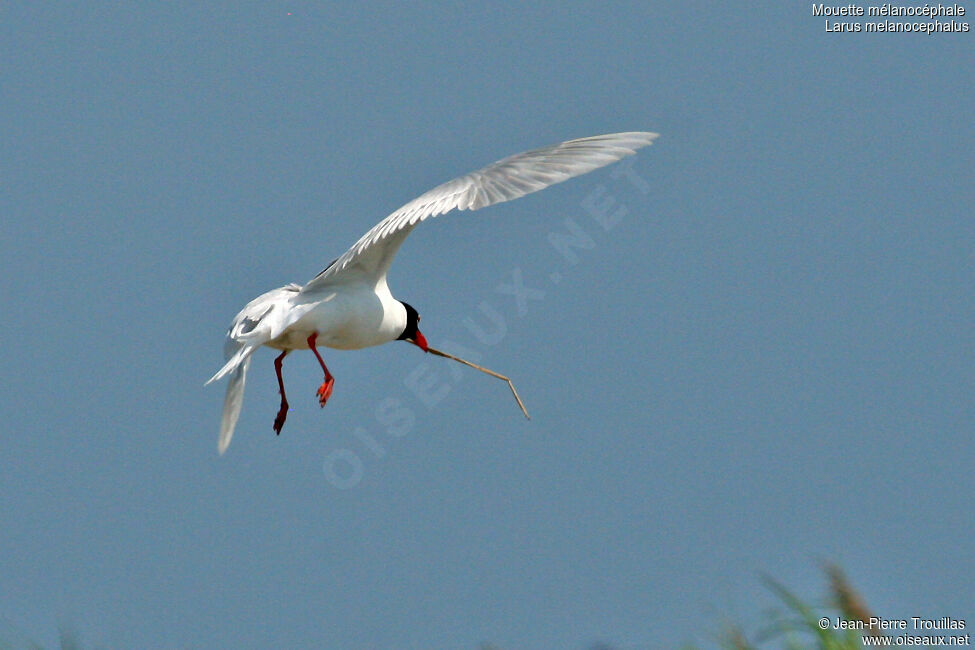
<point x="260" y="321"/>
<point x="504" y="180"/>
<point x="231" y="405"/>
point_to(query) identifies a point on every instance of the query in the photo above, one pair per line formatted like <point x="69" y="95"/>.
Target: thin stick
<point x="482" y="369"/>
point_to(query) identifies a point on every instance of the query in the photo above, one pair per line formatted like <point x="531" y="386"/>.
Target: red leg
<point x="283" y="411"/>
<point x="325" y="390"/>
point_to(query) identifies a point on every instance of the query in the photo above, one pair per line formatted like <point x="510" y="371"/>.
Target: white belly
<point x="353" y="318"/>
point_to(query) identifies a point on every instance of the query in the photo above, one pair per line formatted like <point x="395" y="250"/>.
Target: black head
<point x="411" y="332"/>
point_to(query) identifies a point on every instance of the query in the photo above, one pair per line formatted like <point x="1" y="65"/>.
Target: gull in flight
<point x="348" y="306"/>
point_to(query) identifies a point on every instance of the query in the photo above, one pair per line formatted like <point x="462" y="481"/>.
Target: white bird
<point x="348" y="306"/>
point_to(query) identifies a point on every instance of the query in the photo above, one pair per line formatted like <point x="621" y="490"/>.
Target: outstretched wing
<point x="504" y="180"/>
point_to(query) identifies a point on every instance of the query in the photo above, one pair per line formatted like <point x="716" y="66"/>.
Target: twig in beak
<point x="485" y="370"/>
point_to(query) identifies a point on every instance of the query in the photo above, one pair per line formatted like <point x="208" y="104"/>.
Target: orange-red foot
<point x="325" y="391"/>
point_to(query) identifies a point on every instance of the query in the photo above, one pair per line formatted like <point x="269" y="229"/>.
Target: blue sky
<point x="764" y="363"/>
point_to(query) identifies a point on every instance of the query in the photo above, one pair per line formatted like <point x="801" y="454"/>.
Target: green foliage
<point x="795" y="624"/>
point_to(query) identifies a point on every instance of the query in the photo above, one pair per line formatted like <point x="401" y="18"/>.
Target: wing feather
<point x="507" y="179"/>
<point x="231" y="405"/>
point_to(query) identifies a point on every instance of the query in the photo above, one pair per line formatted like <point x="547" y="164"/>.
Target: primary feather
<point x="507" y="179"/>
